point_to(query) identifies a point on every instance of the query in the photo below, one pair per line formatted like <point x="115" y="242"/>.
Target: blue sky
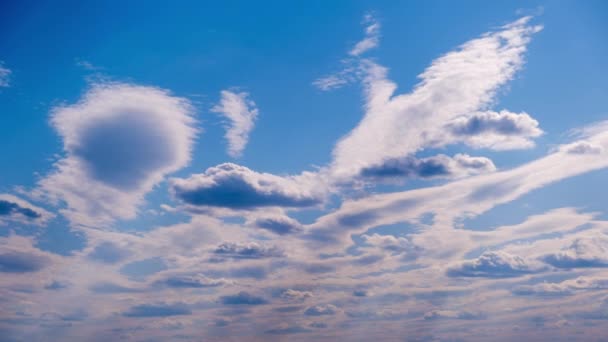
<point x="304" y="171"/>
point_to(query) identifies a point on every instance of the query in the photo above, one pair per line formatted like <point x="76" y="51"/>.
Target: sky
<point x="303" y="171"/>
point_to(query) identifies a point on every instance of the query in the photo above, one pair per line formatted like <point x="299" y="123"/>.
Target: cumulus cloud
<point x="243" y="298"/>
<point x="392" y="244"/>
<point x="461" y="82"/>
<point x="14" y="209"/>
<point x="432" y="167"/>
<point x="494" y="265"/>
<point x="22" y="262"/>
<point x="279" y="224"/>
<point x="120" y="140"/>
<point x="291" y="294"/>
<point x="241" y="112"/>
<point x="192" y="281"/>
<point x="322" y="310"/>
<point x="496" y="130"/>
<point x="249" y="250"/>
<point x="587" y="251"/>
<point x="238" y="187"/>
<point x="5" y="74"/>
<point x="582" y="147"/>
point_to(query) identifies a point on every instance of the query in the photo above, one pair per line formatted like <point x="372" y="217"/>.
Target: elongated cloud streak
<point x="241" y="112"/>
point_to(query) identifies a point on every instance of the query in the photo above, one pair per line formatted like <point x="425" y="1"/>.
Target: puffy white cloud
<point x="278" y="224"/>
<point x="238" y="187"/>
<point x="459" y="83"/>
<point x="120" y="140"/>
<point x="585" y="251"/>
<point x="496" y="264"/>
<point x="191" y="281"/>
<point x="392" y="244"/>
<point x="5" y="74"/>
<point x="249" y="250"/>
<point x="496" y="130"/>
<point x="322" y="310"/>
<point x="431" y="167"/>
<point x="14" y="209"/>
<point x="241" y="113"/>
<point x="582" y="147"/>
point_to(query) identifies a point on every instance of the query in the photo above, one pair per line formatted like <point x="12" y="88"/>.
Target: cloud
<point x="291" y="294"/>
<point x="392" y="244"/>
<point x="494" y="265"/>
<point x="5" y="74"/>
<point x="587" y="251"/>
<point x="158" y="310"/>
<point x="192" y="281"/>
<point x="237" y="187"/>
<point x="111" y="288"/>
<point x="352" y="70"/>
<point x="120" y="140"/>
<point x="322" y="310"/>
<point x="286" y="330"/>
<point x="243" y="298"/>
<point x="459" y="83"/>
<point x="372" y="37"/>
<point x="496" y="130"/>
<point x="565" y="288"/>
<point x="14" y="209"/>
<point x="462" y="198"/>
<point x="582" y="147"/>
<point x="109" y="253"/>
<point x="449" y="314"/>
<point x="242" y="113"/>
<point x="279" y="224"/>
<point x="22" y="262"/>
<point x="432" y="167"/>
<point x="250" y="250"/>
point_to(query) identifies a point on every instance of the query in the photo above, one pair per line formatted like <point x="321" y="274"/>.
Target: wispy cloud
<point x="5" y="74"/>
<point x="241" y="112"/>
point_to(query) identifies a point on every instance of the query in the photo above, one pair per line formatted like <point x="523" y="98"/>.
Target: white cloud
<point x="566" y="287"/>
<point x="242" y="113"/>
<point x="585" y="251"/>
<point x="463" y="198"/>
<point x="496" y="130"/>
<point x="372" y="37"/>
<point x="240" y="188"/>
<point x="120" y="140"/>
<point x="496" y="264"/>
<point x="459" y="83"/>
<point x="291" y="294"/>
<point x="5" y="74"/>
<point x="440" y="166"/>
<point x="14" y="209"/>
